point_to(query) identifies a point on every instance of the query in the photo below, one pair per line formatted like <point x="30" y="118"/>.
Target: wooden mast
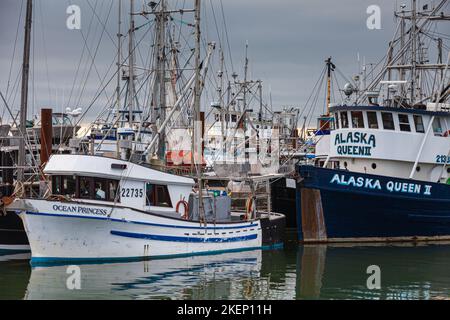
<point x="330" y="67"/>
<point x="24" y="92"/>
<point x="196" y="151"/>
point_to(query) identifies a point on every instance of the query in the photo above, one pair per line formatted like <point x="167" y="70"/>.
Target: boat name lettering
<point x="371" y="183"/>
<point x="366" y="141"/>
<point x="441" y="158"/>
<point x="78" y="209"/>
<point x="132" y="193"/>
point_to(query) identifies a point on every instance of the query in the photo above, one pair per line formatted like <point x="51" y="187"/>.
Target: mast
<point x="161" y="72"/>
<point x="413" y="52"/>
<point x="330" y="67"/>
<point x="402" y="45"/>
<point x="245" y="78"/>
<point x="131" y="66"/>
<point x="24" y="92"/>
<point x="119" y="61"/>
<point x="221" y="99"/>
<point x="197" y="118"/>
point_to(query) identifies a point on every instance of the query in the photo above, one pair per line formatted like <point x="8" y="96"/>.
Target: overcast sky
<point x="288" y="43"/>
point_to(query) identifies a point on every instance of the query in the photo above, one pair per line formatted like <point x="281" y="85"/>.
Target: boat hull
<point x="13" y="237"/>
<point x="60" y="231"/>
<point x="339" y="206"/>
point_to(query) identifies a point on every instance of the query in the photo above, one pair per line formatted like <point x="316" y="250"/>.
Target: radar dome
<point x="348" y="89"/>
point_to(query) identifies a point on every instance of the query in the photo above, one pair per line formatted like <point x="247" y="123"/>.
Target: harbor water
<point x="337" y="271"/>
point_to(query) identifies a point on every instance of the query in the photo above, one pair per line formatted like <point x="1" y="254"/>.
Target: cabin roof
<point x="96" y="166"/>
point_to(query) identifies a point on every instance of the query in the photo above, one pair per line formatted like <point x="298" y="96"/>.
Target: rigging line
<point x="226" y="34"/>
<point x="337" y="85"/>
<point x="109" y="81"/>
<point x="92" y="64"/>
<point x="45" y="50"/>
<point x="314" y="104"/>
<point x="24" y="135"/>
<point x="402" y="50"/>
<point x="15" y="89"/>
<point x="95" y="99"/>
<point x="215" y="23"/>
<point x="103" y="24"/>
<point x="81" y="57"/>
<point x="14" y="49"/>
<point x="91" y="42"/>
<point x="319" y="80"/>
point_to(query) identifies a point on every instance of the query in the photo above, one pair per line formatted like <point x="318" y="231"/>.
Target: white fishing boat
<point x="104" y="208"/>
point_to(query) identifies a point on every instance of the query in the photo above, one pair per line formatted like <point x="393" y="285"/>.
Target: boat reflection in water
<point x="221" y="276"/>
<point x="305" y="272"/>
<point x="15" y="272"/>
<point x="407" y="271"/>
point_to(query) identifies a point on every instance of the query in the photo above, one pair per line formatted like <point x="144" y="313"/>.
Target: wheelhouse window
<point x="113" y="190"/>
<point x="344" y="119"/>
<point x="388" y="121"/>
<point x="157" y="195"/>
<point x="418" y="123"/>
<point x="437" y="127"/>
<point x="64" y="185"/>
<point x="372" y="119"/>
<point x="403" y="121"/>
<point x="100" y="189"/>
<point x="336" y="120"/>
<point x="357" y="119"/>
<point x="87" y="187"/>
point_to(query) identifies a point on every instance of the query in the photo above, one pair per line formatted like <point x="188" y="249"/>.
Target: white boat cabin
<point x="104" y="180"/>
<point x="399" y="142"/>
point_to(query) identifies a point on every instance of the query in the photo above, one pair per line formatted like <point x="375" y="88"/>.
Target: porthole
<point x="448" y="170"/>
<point x="418" y="169"/>
<point x="345" y="164"/>
<point x="374" y="166"/>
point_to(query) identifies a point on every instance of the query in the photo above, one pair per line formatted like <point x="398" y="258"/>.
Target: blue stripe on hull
<point x="181" y="239"/>
<point x="350" y="211"/>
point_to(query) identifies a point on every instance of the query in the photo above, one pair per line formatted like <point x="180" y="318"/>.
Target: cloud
<point x="288" y="43"/>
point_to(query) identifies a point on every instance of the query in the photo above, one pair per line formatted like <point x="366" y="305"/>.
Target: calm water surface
<point x="295" y="272"/>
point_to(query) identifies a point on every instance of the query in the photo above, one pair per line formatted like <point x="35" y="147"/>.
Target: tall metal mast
<point x="197" y="127"/>
<point x="131" y="91"/>
<point x="245" y="78"/>
<point x="330" y="67"/>
<point x="24" y="92"/>
<point x="119" y="62"/>
<point x="161" y="72"/>
<point x="413" y="52"/>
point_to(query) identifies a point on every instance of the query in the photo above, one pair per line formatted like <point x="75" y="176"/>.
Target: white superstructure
<point x="399" y="142"/>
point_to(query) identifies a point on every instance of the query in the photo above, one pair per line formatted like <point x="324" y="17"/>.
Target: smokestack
<point x="46" y="135"/>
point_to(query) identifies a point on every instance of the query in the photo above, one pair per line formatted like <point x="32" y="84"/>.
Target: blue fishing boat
<point x="382" y="172"/>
